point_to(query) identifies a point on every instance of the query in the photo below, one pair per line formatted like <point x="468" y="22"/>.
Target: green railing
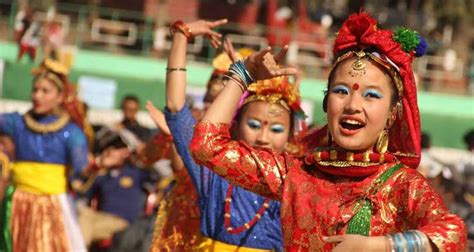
<point x="80" y="17"/>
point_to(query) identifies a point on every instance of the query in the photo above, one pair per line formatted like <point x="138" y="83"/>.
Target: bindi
<point x="355" y="86"/>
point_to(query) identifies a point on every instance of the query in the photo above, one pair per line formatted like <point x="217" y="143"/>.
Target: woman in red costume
<point x="357" y="187"/>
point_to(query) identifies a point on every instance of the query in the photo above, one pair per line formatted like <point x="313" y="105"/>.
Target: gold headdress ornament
<point x="52" y="70"/>
<point x="358" y="66"/>
<point x="222" y="62"/>
<point x="276" y="91"/>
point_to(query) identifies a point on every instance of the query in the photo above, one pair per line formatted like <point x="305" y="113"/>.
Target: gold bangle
<point x="171" y="69"/>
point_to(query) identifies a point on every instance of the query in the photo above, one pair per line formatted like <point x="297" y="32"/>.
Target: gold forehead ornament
<point x="358" y="67"/>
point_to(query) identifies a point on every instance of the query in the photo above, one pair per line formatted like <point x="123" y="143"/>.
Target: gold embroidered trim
<point x="345" y="163"/>
<point x="402" y="154"/>
<point x="37" y="127"/>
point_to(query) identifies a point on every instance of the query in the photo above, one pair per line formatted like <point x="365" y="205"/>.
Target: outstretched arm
<point x="159" y="119"/>
<point x="261" y="171"/>
<point x="176" y="70"/>
<point x="178" y="117"/>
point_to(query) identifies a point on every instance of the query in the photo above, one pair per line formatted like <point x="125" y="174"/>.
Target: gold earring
<point x="381" y="145"/>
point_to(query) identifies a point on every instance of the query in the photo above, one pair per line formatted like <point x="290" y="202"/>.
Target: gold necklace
<point x="37" y="127"/>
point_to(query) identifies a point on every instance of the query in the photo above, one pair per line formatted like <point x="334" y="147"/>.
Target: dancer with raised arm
<point x="232" y="218"/>
<point x="357" y="188"/>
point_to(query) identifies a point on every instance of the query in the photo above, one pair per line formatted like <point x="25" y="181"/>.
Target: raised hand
<point x="112" y="157"/>
<point x="204" y="28"/>
<point x="229" y="50"/>
<point x="265" y="65"/>
<point x="351" y="242"/>
<point x="158" y="118"/>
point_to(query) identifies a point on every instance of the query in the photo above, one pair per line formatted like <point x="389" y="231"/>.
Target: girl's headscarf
<point x="359" y="37"/>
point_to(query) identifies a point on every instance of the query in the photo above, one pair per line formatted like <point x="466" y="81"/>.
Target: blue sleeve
<point x="181" y="125"/>
<point x="8" y="123"/>
<point x="77" y="149"/>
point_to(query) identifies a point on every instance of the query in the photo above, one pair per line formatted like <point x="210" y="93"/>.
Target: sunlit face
<point x="264" y="125"/>
<point x="130" y="109"/>
<point x="357" y="115"/>
<point x="46" y="96"/>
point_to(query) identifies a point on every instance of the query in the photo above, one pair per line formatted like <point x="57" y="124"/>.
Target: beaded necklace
<point x="344" y="163"/>
<point x="247" y="225"/>
<point x="37" y="127"/>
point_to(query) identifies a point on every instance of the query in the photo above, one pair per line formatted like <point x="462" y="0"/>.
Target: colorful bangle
<point x="238" y="68"/>
<point x="236" y="80"/>
<point x="410" y="241"/>
<point x="180" y="26"/>
<point x="391" y="243"/>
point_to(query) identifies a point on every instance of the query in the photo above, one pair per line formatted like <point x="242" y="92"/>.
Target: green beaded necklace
<point x="360" y="222"/>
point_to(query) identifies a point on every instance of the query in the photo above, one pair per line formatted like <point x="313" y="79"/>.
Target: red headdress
<point x="395" y="51"/>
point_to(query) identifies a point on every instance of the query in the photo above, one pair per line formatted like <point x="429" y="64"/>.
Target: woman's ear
<point x="392" y="117"/>
<point x="325" y="103"/>
<point x="62" y="96"/>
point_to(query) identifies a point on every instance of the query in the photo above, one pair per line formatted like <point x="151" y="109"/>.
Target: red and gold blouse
<point x="316" y="204"/>
<point x="178" y="220"/>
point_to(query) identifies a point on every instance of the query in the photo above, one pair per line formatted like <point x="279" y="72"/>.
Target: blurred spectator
<point x="53" y="39"/>
<point x="466" y="167"/>
<point x="26" y="32"/>
<point x="117" y="192"/>
<point x="429" y="167"/>
<point x="130" y="107"/>
<point x="282" y="21"/>
<point x="445" y="179"/>
<point x="53" y="35"/>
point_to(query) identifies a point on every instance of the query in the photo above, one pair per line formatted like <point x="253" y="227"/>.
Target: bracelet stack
<point x="180" y="26"/>
<point x="410" y="241"/>
<point x="240" y="75"/>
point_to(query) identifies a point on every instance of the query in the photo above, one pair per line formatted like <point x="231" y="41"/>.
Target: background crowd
<point x="117" y="205"/>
